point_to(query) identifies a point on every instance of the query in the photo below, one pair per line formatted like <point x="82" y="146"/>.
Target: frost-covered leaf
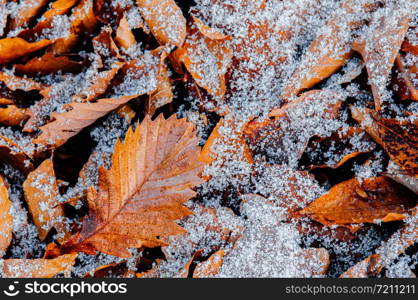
<point x="14" y="82"/>
<point x="207" y="57"/>
<point x="330" y="50"/>
<point x="26" y="11"/>
<point x="381" y="45"/>
<point x="160" y="158"/>
<point x="67" y="124"/>
<point x="210" y="267"/>
<point x="41" y="194"/>
<point x="82" y="20"/>
<point x="124" y="36"/>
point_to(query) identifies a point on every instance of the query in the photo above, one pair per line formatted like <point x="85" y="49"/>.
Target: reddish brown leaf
<point x="160" y="159"/>
<point x="124" y="36"/>
<point x="351" y="202"/>
<point x="397" y="137"/>
<point x="13" y="115"/>
<point x="13" y="48"/>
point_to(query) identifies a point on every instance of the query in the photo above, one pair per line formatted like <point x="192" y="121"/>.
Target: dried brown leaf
<point x="160" y="159"/>
<point x="352" y="202"/>
<point x="48" y="64"/>
<point x="124" y="36"/>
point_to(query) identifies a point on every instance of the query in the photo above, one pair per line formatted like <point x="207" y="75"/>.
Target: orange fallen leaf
<point x="38" y="268"/>
<point x="6" y="220"/>
<point x="164" y="92"/>
<point x="13" y="115"/>
<point x="41" y="194"/>
<point x="48" y="64"/>
<point x="328" y="52"/>
<point x="14" y="82"/>
<point x="160" y="158"/>
<point x="352" y="202"/>
<point x="104" y="44"/>
<point x="13" y="48"/>
<point x="165" y="20"/>
<point x="124" y="36"/>
<point x="15" y="155"/>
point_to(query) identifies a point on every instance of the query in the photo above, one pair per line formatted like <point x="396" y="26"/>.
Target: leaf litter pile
<point x="208" y="138"/>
